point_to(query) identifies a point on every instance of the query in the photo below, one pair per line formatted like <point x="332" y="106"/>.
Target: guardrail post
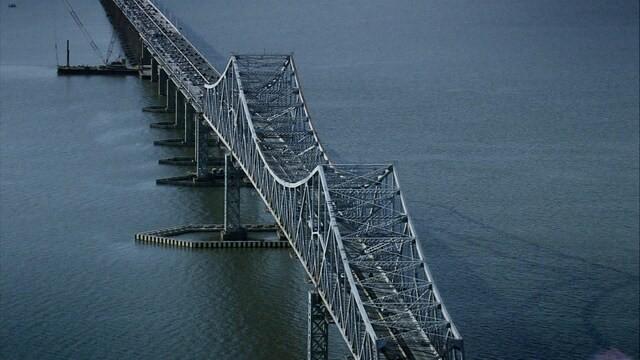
<point x="318" y="328"/>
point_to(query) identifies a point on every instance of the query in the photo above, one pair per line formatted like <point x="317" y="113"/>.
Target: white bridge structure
<point x="347" y="223"/>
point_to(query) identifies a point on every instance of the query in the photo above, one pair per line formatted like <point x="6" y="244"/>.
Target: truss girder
<point x="347" y="224"/>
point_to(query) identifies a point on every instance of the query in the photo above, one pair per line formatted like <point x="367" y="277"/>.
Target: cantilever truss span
<point x="348" y="224"/>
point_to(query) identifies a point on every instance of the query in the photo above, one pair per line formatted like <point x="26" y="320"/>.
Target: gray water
<point x="513" y="125"/>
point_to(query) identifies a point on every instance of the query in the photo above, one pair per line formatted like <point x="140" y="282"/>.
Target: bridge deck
<point x="189" y="69"/>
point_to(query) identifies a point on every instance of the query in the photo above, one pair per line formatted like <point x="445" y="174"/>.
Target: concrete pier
<point x="156" y="109"/>
<point x="171" y="142"/>
<point x="190" y="119"/>
<point x="233" y="229"/>
<point x="180" y="108"/>
<point x="146" y="62"/>
<point x="191" y="180"/>
<point x="178" y="161"/>
<point x="171" y="93"/>
<point x="154" y="70"/>
<point x="162" y="81"/>
<point x="188" y="161"/>
<point x="202" y="146"/>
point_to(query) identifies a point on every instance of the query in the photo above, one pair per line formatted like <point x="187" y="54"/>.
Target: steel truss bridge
<point x="347" y="223"/>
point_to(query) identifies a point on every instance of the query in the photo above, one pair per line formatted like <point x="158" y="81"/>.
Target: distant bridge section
<point x="182" y="62"/>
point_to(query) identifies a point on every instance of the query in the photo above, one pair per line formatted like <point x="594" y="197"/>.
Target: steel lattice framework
<point x="347" y="224"/>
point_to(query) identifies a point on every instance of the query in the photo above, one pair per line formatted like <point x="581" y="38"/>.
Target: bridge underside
<point x="347" y="224"/>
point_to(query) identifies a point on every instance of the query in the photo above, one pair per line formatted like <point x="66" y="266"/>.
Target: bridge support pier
<point x="202" y="147"/>
<point x="190" y="120"/>
<point x="154" y="70"/>
<point x="145" y="55"/>
<point x="318" y="328"/>
<point x="162" y="81"/>
<point x="233" y="230"/>
<point x="146" y="61"/>
<point x="179" y="104"/>
<point x="171" y="96"/>
<point x="206" y="155"/>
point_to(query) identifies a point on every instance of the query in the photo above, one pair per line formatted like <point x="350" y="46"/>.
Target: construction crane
<point x="94" y="46"/>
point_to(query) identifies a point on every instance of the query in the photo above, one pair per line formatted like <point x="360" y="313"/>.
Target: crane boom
<point x="86" y="34"/>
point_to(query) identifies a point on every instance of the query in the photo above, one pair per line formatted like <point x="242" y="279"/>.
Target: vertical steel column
<point x="180" y="109"/>
<point x="233" y="229"/>
<point x="171" y="96"/>
<point x="154" y="70"/>
<point x="318" y="329"/>
<point x="142" y="55"/>
<point x="456" y="349"/>
<point x="146" y="60"/>
<point x="162" y="81"/>
<point x="189" y="122"/>
<point x="202" y="146"/>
